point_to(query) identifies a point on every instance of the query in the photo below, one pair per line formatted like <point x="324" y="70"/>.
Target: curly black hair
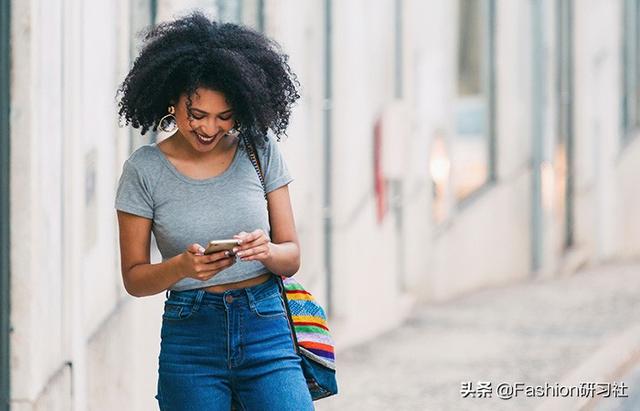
<point x="182" y="55"/>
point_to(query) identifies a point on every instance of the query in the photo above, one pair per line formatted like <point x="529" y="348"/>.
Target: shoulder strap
<point x="251" y="149"/>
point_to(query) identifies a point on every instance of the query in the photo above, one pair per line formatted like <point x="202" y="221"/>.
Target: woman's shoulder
<point x="267" y="146"/>
<point x="145" y="160"/>
<point x="144" y="155"/>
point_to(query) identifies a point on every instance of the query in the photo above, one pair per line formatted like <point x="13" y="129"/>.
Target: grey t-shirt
<point x="186" y="211"/>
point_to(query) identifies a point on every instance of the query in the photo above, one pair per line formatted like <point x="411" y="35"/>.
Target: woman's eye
<point x="198" y="118"/>
<point x="225" y="118"/>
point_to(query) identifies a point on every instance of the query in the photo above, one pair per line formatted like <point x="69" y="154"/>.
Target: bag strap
<point x="251" y="150"/>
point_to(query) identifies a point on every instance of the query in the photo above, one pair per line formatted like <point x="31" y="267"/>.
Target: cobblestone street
<point x="533" y="333"/>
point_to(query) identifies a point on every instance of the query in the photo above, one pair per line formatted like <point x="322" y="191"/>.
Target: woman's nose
<point x="210" y="127"/>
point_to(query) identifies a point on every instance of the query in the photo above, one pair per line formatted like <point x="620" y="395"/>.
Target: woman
<point x="225" y="337"/>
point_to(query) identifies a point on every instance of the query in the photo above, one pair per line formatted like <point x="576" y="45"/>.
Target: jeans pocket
<point x="177" y="310"/>
<point x="270" y="306"/>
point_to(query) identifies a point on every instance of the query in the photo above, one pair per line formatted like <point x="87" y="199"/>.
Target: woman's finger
<point x="260" y="234"/>
<point x="252" y="251"/>
<point x="257" y="257"/>
<point x="214" y="268"/>
<point x="253" y="236"/>
<point x="209" y="258"/>
<point x="196" y="249"/>
<point x="246" y="252"/>
<point x="258" y="240"/>
<point x="241" y="236"/>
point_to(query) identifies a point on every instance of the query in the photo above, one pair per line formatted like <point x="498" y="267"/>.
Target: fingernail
<point x="235" y="249"/>
<point x="239" y="241"/>
<point x="239" y="253"/>
<point x="201" y="249"/>
<point x="226" y="254"/>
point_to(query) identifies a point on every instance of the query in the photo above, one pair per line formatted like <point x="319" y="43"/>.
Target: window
<point x="472" y="146"/>
<point x="564" y="149"/>
<point x="230" y="11"/>
<point x="631" y="69"/>
<point x="142" y="14"/>
<point x="248" y="12"/>
<point x="399" y="52"/>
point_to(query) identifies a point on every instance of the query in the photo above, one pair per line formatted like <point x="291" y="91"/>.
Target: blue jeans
<point x="232" y="347"/>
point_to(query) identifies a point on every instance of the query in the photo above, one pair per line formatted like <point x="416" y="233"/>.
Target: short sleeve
<point x="276" y="173"/>
<point x="134" y="195"/>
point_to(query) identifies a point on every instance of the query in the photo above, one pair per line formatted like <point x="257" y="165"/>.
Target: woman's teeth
<point x="205" y="139"/>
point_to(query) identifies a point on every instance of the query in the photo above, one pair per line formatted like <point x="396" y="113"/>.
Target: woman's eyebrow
<point x="204" y="112"/>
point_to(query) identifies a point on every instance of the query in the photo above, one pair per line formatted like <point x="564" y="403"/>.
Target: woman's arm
<point x="280" y="253"/>
<point x="142" y="278"/>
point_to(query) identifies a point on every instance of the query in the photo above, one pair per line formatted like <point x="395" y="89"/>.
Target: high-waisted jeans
<point x="235" y="346"/>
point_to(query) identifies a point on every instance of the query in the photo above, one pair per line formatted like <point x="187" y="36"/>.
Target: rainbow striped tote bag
<point x="312" y="338"/>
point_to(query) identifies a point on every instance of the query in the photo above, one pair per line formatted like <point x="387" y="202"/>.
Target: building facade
<point x="439" y="147"/>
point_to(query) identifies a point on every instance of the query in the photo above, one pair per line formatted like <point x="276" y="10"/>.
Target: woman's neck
<point x="180" y="148"/>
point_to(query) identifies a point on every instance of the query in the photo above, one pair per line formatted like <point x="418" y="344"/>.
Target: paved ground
<point x="631" y="403"/>
<point x="532" y="333"/>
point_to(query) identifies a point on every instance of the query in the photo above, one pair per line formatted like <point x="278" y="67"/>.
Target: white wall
<point x="37" y="353"/>
<point x="628" y="204"/>
<point x="598" y="37"/>
<point x="298" y="27"/>
<point x="365" y="263"/>
<point x="67" y="305"/>
<point x="430" y="82"/>
<point x="472" y="248"/>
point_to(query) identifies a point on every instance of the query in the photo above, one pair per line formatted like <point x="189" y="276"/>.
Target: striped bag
<point x="308" y="321"/>
<point x="312" y="338"/>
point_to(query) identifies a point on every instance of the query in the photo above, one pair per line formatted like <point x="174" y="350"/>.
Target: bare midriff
<point x="239" y="284"/>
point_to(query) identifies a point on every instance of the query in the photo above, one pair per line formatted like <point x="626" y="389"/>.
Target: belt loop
<point x="198" y="299"/>
<point x="250" y="297"/>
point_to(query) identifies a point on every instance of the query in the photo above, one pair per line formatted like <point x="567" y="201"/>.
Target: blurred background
<point x="466" y="193"/>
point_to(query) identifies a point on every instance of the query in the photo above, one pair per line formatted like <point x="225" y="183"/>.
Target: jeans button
<point x="229" y="299"/>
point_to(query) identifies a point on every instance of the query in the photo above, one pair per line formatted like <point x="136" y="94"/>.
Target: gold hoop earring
<point x="170" y="119"/>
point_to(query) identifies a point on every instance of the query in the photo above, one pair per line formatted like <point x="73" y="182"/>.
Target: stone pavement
<point x="582" y="327"/>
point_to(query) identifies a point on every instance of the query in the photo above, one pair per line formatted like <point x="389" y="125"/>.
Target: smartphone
<point x="219" y="245"/>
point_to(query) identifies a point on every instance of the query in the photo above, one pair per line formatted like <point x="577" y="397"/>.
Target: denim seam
<point x="198" y="300"/>
<point x="291" y="329"/>
<point x="237" y="395"/>
<point x="228" y="333"/>
<point x="178" y="312"/>
<point x="241" y="340"/>
<point x="282" y="312"/>
<point x="251" y="299"/>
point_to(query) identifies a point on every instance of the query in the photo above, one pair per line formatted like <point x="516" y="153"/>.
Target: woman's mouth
<point x="203" y="139"/>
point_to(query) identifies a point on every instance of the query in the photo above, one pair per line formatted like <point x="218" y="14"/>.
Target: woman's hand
<point x="278" y="251"/>
<point x="194" y="264"/>
<point x="253" y="246"/>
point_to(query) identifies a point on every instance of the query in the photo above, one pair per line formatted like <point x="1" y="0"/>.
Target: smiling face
<point x="211" y="118"/>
